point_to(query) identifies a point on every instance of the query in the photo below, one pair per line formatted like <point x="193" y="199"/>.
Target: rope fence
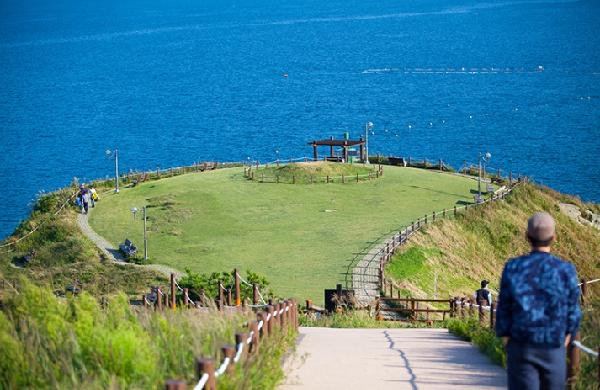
<point x="277" y="318"/>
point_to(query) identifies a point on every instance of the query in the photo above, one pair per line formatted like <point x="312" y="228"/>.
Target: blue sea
<point x="172" y="82"/>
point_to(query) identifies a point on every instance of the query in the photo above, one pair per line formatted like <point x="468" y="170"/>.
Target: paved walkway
<point x="382" y="359"/>
<point x="111" y="253"/>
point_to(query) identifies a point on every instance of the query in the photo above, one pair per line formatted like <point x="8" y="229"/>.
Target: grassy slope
<point x="315" y="171"/>
<point x="65" y="255"/>
<point x="476" y="245"/>
<point x="218" y="220"/>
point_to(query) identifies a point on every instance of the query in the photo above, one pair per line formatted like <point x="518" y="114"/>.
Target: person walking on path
<point x="483" y="296"/>
<point x="85" y="199"/>
<point x="538" y="311"/>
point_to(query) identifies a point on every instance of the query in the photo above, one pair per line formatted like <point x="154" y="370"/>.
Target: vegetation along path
<point x="382" y="359"/>
<point x="300" y="236"/>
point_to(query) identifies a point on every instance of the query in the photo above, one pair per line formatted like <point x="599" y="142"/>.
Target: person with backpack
<point x="483" y="296"/>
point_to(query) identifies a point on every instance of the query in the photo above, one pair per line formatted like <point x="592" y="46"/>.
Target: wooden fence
<point x="256" y="175"/>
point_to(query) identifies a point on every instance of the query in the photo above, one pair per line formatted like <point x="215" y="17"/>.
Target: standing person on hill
<point x="483" y="296"/>
<point x="85" y="199"/>
<point x="538" y="311"/>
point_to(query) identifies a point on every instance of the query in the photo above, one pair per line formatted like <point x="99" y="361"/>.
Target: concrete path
<point x="382" y="359"/>
<point x="111" y="253"/>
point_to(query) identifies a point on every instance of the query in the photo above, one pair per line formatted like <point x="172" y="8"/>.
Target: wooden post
<point x="583" y="291"/>
<point x="238" y="294"/>
<point x="492" y="315"/>
<point x="481" y="316"/>
<point x="269" y="323"/>
<point x="391" y="289"/>
<point x="240" y="338"/>
<point x="228" y="351"/>
<point x="159" y="298"/>
<point x="186" y="297"/>
<point x="174" y="384"/>
<point x="413" y="314"/>
<point x="444" y="213"/>
<point x="471" y="308"/>
<point x="452" y="308"/>
<point x="144" y="301"/>
<point x="412" y="229"/>
<point x="357" y="177"/>
<point x="173" y="291"/>
<point x="253" y="326"/>
<point x="229" y="297"/>
<point x="282" y="315"/>
<point x="455" y="211"/>
<point x="262" y="316"/>
<point x="206" y="366"/>
<point x="574" y="363"/>
<point x="327" y="179"/>
<point x="254" y="294"/>
<point x="425" y="219"/>
<point x="293" y="179"/>
<point x="308" y="304"/>
<point x="462" y="308"/>
<point x="221" y="296"/>
<point x="433" y="216"/>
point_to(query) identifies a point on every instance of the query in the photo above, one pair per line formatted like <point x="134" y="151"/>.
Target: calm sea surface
<point x="172" y="82"/>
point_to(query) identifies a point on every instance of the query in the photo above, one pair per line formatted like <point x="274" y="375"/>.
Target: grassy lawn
<point x="299" y="236"/>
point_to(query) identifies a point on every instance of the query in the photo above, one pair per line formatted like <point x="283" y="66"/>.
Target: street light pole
<point x="368" y="125"/>
<point x="116" y="171"/>
<point x="479" y="181"/>
<point x="145" y="237"/>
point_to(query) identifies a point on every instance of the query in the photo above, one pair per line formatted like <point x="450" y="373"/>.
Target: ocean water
<point x="172" y="82"/>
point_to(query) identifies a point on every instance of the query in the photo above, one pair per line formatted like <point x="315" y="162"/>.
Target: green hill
<point x="299" y="236"/>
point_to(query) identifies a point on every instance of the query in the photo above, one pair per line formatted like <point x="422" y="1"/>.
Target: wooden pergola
<point x="343" y="143"/>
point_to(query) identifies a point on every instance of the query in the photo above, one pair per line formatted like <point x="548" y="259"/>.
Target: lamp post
<point x="134" y="211"/>
<point x="115" y="154"/>
<point x="368" y="126"/>
<point x="482" y="158"/>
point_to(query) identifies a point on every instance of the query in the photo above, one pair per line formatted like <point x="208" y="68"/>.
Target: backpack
<point x="482" y="295"/>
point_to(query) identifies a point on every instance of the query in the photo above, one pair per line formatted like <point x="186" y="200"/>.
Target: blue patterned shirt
<point x="538" y="303"/>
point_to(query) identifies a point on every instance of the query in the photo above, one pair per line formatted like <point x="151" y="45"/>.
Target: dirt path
<point x="113" y="254"/>
<point x="388" y="359"/>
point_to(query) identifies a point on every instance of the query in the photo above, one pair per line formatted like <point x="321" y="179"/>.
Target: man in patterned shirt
<point x="538" y="311"/>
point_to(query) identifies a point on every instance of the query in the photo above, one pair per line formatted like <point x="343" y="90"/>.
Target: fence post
<point x="293" y="179"/>
<point x="282" y="314"/>
<point x="221" y="296"/>
<point x="228" y="352"/>
<point x="357" y="177"/>
<point x="186" y="297"/>
<point x="308" y="304"/>
<point x="462" y="308"/>
<point x="492" y="315"/>
<point x="471" y="308"/>
<point x="173" y="384"/>
<point x="238" y="295"/>
<point x="270" y="322"/>
<point x="172" y="291"/>
<point x="255" y="337"/>
<point x="444" y="213"/>
<point x="455" y="211"/>
<point x="229" y="300"/>
<point x="144" y="301"/>
<point x="412" y="229"/>
<point x="343" y="181"/>
<point x="254" y="294"/>
<point x="480" y="308"/>
<point x="206" y="366"/>
<point x="583" y="291"/>
<point x="240" y="338"/>
<point x="573" y="366"/>
<point x="433" y="216"/>
<point x="327" y="179"/>
<point x="159" y="298"/>
<point x="262" y="316"/>
<point x="413" y="314"/>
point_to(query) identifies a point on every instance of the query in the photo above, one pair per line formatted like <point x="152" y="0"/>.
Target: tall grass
<point x="49" y="342"/>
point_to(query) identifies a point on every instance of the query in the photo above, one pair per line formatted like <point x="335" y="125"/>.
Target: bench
<point x="128" y="249"/>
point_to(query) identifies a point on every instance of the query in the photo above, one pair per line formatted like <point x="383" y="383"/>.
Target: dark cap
<point x="541" y="227"/>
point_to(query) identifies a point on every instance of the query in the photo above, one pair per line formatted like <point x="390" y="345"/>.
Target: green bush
<point x="485" y="338"/>
<point x="209" y="283"/>
<point x="49" y="342"/>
